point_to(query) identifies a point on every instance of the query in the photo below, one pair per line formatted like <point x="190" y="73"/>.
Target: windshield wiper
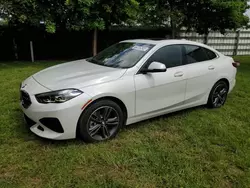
<point x="92" y="60"/>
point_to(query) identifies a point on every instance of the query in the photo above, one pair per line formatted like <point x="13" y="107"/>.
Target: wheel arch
<point x="225" y="80"/>
<point x="111" y="98"/>
<point x="116" y="100"/>
<point x="221" y="79"/>
<point x="209" y="102"/>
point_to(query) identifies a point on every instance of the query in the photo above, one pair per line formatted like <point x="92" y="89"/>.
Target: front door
<point x="165" y="90"/>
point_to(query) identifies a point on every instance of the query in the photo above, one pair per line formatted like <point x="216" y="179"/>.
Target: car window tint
<point x="171" y="56"/>
<point x="195" y="54"/>
<point x="210" y="54"/>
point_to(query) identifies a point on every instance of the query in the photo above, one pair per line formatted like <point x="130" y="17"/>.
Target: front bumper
<point x="67" y="113"/>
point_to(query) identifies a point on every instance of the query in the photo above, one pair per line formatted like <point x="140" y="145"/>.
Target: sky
<point x="248" y="11"/>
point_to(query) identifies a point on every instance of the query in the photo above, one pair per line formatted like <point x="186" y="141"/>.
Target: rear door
<point x="201" y="73"/>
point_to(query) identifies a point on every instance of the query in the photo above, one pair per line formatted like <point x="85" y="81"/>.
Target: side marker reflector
<point x="86" y="104"/>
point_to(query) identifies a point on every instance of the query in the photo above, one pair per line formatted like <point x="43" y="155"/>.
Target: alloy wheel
<point x="220" y="95"/>
<point x="103" y="123"/>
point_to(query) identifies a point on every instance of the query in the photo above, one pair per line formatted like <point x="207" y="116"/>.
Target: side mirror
<point x="155" y="67"/>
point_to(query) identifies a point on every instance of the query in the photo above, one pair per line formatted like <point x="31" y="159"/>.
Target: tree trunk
<point x="172" y="21"/>
<point x="32" y="52"/>
<point x="173" y="29"/>
<point x="205" y="38"/>
<point x="15" y="49"/>
<point x="95" y="42"/>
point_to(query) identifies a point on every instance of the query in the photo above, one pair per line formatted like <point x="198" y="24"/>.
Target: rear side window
<point x="171" y="56"/>
<point x="211" y="55"/>
<point x="195" y="54"/>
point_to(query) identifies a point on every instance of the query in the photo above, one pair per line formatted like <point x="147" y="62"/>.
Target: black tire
<point x="92" y="119"/>
<point x="218" y="95"/>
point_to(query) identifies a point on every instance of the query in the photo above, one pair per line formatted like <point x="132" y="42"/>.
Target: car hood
<point x="76" y="74"/>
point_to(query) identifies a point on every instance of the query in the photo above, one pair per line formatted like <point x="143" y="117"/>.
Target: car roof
<point x="163" y="41"/>
<point x="170" y="42"/>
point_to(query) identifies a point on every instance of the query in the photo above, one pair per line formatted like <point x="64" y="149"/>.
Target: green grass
<point x="194" y="148"/>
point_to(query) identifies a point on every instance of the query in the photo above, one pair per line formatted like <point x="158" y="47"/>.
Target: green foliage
<point x="206" y="15"/>
<point x="68" y="14"/>
<point x="107" y="12"/>
<point x="3" y="22"/>
<point x="161" y="12"/>
<point x="200" y="15"/>
<point x="50" y="27"/>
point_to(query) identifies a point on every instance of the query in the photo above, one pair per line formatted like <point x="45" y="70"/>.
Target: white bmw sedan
<point x="126" y="83"/>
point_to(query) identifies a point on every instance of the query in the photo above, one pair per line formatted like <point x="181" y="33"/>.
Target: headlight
<point x="60" y="96"/>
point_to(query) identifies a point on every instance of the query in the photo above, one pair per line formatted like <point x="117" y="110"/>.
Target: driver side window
<point x="170" y="55"/>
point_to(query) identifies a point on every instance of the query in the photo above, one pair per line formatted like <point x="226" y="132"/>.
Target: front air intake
<point x="53" y="124"/>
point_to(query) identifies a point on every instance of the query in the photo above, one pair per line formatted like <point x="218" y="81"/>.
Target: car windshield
<point x="121" y="55"/>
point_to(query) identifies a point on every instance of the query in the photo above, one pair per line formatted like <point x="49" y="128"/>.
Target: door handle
<point x="211" y="67"/>
<point x="178" y="74"/>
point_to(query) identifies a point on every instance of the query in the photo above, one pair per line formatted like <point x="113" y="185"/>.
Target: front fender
<point x="122" y="89"/>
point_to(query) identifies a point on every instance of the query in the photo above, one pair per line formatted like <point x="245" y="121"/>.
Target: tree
<point x="215" y="15"/>
<point x="68" y="14"/>
<point x="52" y="15"/>
<point x="200" y="15"/>
<point x="104" y="13"/>
<point x="162" y="13"/>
